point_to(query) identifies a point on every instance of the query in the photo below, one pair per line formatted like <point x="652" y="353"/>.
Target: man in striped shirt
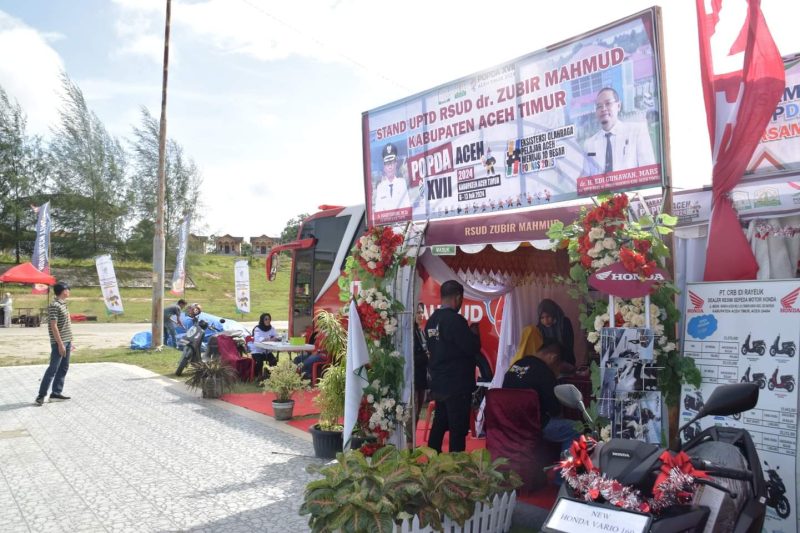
<point x="60" y="329"/>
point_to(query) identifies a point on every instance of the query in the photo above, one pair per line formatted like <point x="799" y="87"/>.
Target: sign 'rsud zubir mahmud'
<point x="571" y="120"/>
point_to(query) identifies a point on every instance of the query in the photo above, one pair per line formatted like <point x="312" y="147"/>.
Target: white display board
<point x="108" y="284"/>
<point x="750" y="331"/>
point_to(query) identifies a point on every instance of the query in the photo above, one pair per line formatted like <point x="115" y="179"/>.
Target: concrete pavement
<point x="133" y="451"/>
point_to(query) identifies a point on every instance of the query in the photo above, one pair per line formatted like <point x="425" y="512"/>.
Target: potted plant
<point x="327" y="434"/>
<point x="284" y="380"/>
<point x="213" y="377"/>
<point x="411" y="490"/>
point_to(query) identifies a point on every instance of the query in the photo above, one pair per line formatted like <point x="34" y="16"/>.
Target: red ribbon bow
<point x="580" y="450"/>
<point x="682" y="462"/>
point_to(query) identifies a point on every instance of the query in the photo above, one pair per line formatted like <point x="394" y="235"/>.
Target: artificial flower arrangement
<point x="369" y="274"/>
<point x="605" y="235"/>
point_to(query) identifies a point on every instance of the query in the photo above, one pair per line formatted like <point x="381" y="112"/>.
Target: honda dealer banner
<point x="749" y="331"/>
<point x="779" y="149"/>
<point x="572" y="120"/>
<point x="108" y="284"/>
<point x="179" y="275"/>
<point x="41" y="246"/>
<point x="241" y="279"/>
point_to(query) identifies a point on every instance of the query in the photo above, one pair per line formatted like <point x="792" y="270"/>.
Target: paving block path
<point x="133" y="451"/>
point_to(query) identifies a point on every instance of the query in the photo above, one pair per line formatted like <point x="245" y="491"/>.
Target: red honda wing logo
<point x="787" y="302"/>
<point x="697" y="303"/>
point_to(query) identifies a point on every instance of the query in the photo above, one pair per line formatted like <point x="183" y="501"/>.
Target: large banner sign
<point x="179" y="275"/>
<point x="241" y="279"/>
<point x="779" y="149"/>
<point x="108" y="284"/>
<point x="573" y="120"/>
<point x="748" y="331"/>
<point x="41" y="247"/>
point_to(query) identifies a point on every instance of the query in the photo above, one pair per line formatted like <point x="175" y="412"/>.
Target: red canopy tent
<point x="26" y="273"/>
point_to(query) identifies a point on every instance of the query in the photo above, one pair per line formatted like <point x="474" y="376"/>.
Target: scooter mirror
<point x="730" y="399"/>
<point x="569" y="395"/>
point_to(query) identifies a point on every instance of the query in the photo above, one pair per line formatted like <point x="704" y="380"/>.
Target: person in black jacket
<point x="453" y="350"/>
<point x="420" y="362"/>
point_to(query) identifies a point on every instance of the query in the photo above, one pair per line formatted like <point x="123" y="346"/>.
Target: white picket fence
<point x="494" y="518"/>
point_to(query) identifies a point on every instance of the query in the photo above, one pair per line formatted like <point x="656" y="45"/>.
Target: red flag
<point x="743" y="80"/>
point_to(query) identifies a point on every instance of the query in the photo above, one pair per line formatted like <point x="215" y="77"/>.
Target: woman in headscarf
<point x="263" y="332"/>
<point x="555" y="327"/>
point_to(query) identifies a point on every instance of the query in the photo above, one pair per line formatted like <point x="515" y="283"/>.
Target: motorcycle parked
<point x="786" y="348"/>
<point x="191" y="346"/>
<point x="727" y="455"/>
<point x="785" y="382"/>
<point x="776" y="492"/>
<point x="693" y="402"/>
<point x="758" y="347"/>
<point x="758" y="378"/>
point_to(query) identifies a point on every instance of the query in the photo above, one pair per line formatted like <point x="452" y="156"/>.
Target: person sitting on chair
<point x="263" y="332"/>
<point x="308" y="359"/>
<point x="556" y="327"/>
<point x="538" y="372"/>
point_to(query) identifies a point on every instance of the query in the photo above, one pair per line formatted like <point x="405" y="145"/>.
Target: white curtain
<point x="776" y="246"/>
<point x="439" y="270"/>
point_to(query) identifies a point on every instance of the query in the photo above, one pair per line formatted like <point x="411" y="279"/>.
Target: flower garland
<point x="603" y="236"/>
<point x="675" y="484"/>
<point x="373" y="264"/>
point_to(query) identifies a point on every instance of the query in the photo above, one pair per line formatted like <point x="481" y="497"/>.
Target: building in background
<point x="263" y="244"/>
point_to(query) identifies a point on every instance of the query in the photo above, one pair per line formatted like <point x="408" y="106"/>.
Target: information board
<point x="750" y="331"/>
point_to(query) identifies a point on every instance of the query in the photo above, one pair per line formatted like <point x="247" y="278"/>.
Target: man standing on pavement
<point x="174" y="310"/>
<point x="60" y="330"/>
<point x="453" y="350"/>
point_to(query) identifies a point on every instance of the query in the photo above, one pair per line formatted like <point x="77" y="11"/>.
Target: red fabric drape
<point x="743" y="81"/>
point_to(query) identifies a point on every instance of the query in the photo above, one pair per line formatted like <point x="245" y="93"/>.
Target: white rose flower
<point x="370" y="398"/>
<point x="670" y="347"/>
<point x="599" y="322"/>
<point x="609" y="243"/>
<point x="593" y="337"/>
<point x="371" y="264"/>
<point x="596" y="233"/>
<point x="384" y="315"/>
<point x="605" y="433"/>
<point x="607" y="260"/>
<point x="593" y="253"/>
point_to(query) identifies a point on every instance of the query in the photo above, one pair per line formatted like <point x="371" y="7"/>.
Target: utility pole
<point x="159" y="256"/>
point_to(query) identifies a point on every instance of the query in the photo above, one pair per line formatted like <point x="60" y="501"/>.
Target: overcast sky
<point x="267" y="96"/>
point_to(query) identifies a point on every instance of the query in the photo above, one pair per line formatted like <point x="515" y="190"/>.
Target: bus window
<point x="302" y="301"/>
<point x="329" y="233"/>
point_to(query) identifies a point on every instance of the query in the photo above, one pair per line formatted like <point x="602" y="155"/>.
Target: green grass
<point x="212" y="275"/>
<point x="162" y="363"/>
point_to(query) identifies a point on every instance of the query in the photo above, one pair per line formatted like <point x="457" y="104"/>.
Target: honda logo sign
<point x="617" y="281"/>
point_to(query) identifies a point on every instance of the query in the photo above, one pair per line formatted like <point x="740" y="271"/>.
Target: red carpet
<point x="262" y="402"/>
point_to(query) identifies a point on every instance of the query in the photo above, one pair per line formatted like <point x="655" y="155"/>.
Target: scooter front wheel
<point x="772" y="352"/>
<point x="761" y="350"/>
<point x="790" y="386"/>
<point x="771" y="386"/>
<point x="187" y="355"/>
<point x="744" y="350"/>
<point x="783" y="507"/>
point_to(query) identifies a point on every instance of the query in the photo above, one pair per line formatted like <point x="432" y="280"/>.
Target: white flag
<point x="108" y="284"/>
<point x="242" y="285"/>
<point x="179" y="275"/>
<point x="355" y="374"/>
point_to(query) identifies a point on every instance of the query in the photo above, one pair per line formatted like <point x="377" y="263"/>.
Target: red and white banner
<point x="743" y="80"/>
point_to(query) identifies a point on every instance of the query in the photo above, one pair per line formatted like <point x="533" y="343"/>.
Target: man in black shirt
<point x="453" y="350"/>
<point x="538" y="372"/>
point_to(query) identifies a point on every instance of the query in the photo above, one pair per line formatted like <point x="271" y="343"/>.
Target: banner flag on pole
<point x="179" y="275"/>
<point x="241" y="273"/>
<point x="41" y="246"/>
<point x="743" y="80"/>
<point x="108" y="284"/>
<point x="355" y="373"/>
